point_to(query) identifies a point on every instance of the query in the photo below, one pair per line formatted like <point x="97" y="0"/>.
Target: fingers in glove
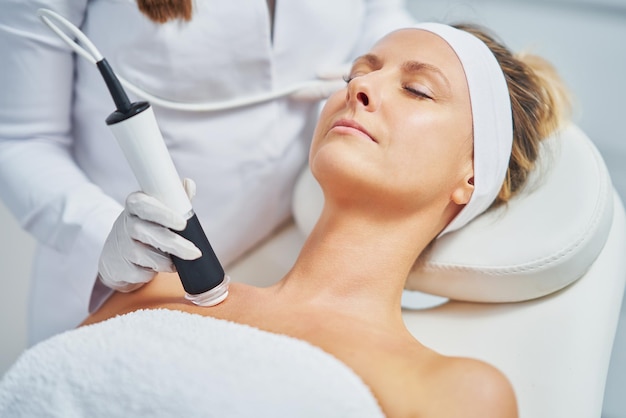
<point x="318" y="91"/>
<point x="150" y="260"/>
<point x="162" y="238"/>
<point x="123" y="287"/>
<point x="190" y="188"/>
<point x="337" y="72"/>
<point x="122" y="275"/>
<point x="151" y="209"/>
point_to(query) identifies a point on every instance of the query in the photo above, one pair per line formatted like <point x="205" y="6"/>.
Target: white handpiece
<point x="140" y="139"/>
<point x="144" y="148"/>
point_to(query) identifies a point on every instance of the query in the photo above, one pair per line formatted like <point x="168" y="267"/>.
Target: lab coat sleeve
<point x="40" y="182"/>
<point x="382" y="17"/>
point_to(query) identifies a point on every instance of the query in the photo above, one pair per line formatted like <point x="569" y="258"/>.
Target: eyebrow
<point x="410" y="67"/>
<point x="370" y="59"/>
<point x="413" y="67"/>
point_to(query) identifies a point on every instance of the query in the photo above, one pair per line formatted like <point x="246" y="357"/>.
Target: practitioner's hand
<point x="141" y="240"/>
<point x="329" y="81"/>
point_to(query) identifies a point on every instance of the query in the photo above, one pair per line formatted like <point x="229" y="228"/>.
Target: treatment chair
<point x="534" y="287"/>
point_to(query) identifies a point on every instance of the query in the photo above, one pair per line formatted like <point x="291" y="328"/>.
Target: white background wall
<point x="16" y="250"/>
<point x="585" y="39"/>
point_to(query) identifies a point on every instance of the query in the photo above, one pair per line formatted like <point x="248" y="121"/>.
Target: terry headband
<point x="491" y="117"/>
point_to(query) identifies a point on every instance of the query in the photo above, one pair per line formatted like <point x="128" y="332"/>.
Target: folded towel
<point x="163" y="363"/>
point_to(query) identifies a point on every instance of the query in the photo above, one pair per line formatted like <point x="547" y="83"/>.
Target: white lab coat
<point x="62" y="173"/>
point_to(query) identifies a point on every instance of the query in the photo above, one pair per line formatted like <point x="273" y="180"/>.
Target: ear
<point x="463" y="193"/>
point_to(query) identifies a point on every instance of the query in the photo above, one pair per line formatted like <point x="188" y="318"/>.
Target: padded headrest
<point x="542" y="240"/>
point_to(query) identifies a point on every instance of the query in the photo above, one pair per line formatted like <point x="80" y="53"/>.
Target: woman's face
<point x="401" y="131"/>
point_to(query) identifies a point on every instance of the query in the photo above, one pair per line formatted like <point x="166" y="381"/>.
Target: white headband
<point x="491" y="116"/>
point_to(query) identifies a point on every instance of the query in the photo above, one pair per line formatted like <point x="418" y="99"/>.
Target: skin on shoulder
<point x="165" y="290"/>
<point x="472" y="389"/>
<point x="405" y="372"/>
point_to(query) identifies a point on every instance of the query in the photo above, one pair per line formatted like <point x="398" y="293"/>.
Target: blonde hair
<point x="540" y="104"/>
<point x="161" y="11"/>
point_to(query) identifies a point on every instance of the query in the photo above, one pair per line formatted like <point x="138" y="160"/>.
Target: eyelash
<point x="348" y="78"/>
<point x="418" y="93"/>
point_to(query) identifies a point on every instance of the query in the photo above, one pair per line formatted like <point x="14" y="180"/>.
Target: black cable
<point x="115" y="87"/>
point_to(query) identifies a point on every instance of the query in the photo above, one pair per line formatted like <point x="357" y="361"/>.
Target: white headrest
<point x="544" y="239"/>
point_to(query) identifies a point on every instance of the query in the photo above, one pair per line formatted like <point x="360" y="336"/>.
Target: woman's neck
<point x="355" y="264"/>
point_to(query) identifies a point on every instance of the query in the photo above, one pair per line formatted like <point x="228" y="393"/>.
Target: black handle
<point x="202" y="274"/>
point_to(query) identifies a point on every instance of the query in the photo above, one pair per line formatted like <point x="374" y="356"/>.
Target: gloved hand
<point x="140" y="242"/>
<point x="328" y="82"/>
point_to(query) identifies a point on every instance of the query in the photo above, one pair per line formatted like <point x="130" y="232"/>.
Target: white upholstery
<point x="555" y="349"/>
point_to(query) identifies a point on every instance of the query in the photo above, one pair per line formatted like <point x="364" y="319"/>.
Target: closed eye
<point x="417" y="93"/>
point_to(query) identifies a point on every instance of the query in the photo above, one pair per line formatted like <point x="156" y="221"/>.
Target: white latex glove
<point x="140" y="242"/>
<point x="329" y="81"/>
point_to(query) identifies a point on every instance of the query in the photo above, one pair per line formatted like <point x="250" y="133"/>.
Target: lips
<point x="350" y="125"/>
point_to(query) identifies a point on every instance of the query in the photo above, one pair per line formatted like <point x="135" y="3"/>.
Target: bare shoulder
<point x="410" y="379"/>
<point x="470" y="388"/>
<point x="166" y="291"/>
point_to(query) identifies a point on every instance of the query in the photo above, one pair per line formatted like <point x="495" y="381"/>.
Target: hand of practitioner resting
<point x="329" y="81"/>
<point x="141" y="240"/>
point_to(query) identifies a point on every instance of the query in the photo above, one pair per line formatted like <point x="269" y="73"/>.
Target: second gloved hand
<point x="328" y="81"/>
<point x="141" y="241"/>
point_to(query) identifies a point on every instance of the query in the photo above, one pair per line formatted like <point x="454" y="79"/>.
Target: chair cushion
<point x="542" y="240"/>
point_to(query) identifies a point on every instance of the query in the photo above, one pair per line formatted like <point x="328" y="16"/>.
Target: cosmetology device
<point x="135" y="128"/>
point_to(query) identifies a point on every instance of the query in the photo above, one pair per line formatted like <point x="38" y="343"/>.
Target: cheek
<point x="429" y="153"/>
<point x="331" y="107"/>
<point x="439" y="135"/>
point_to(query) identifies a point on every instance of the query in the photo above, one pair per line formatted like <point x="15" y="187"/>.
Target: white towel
<point x="162" y="363"/>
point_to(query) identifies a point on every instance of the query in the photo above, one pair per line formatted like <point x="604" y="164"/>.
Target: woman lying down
<point x="436" y="125"/>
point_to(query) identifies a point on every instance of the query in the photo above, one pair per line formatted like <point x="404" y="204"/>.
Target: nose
<point x="362" y="92"/>
<point x="362" y="97"/>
